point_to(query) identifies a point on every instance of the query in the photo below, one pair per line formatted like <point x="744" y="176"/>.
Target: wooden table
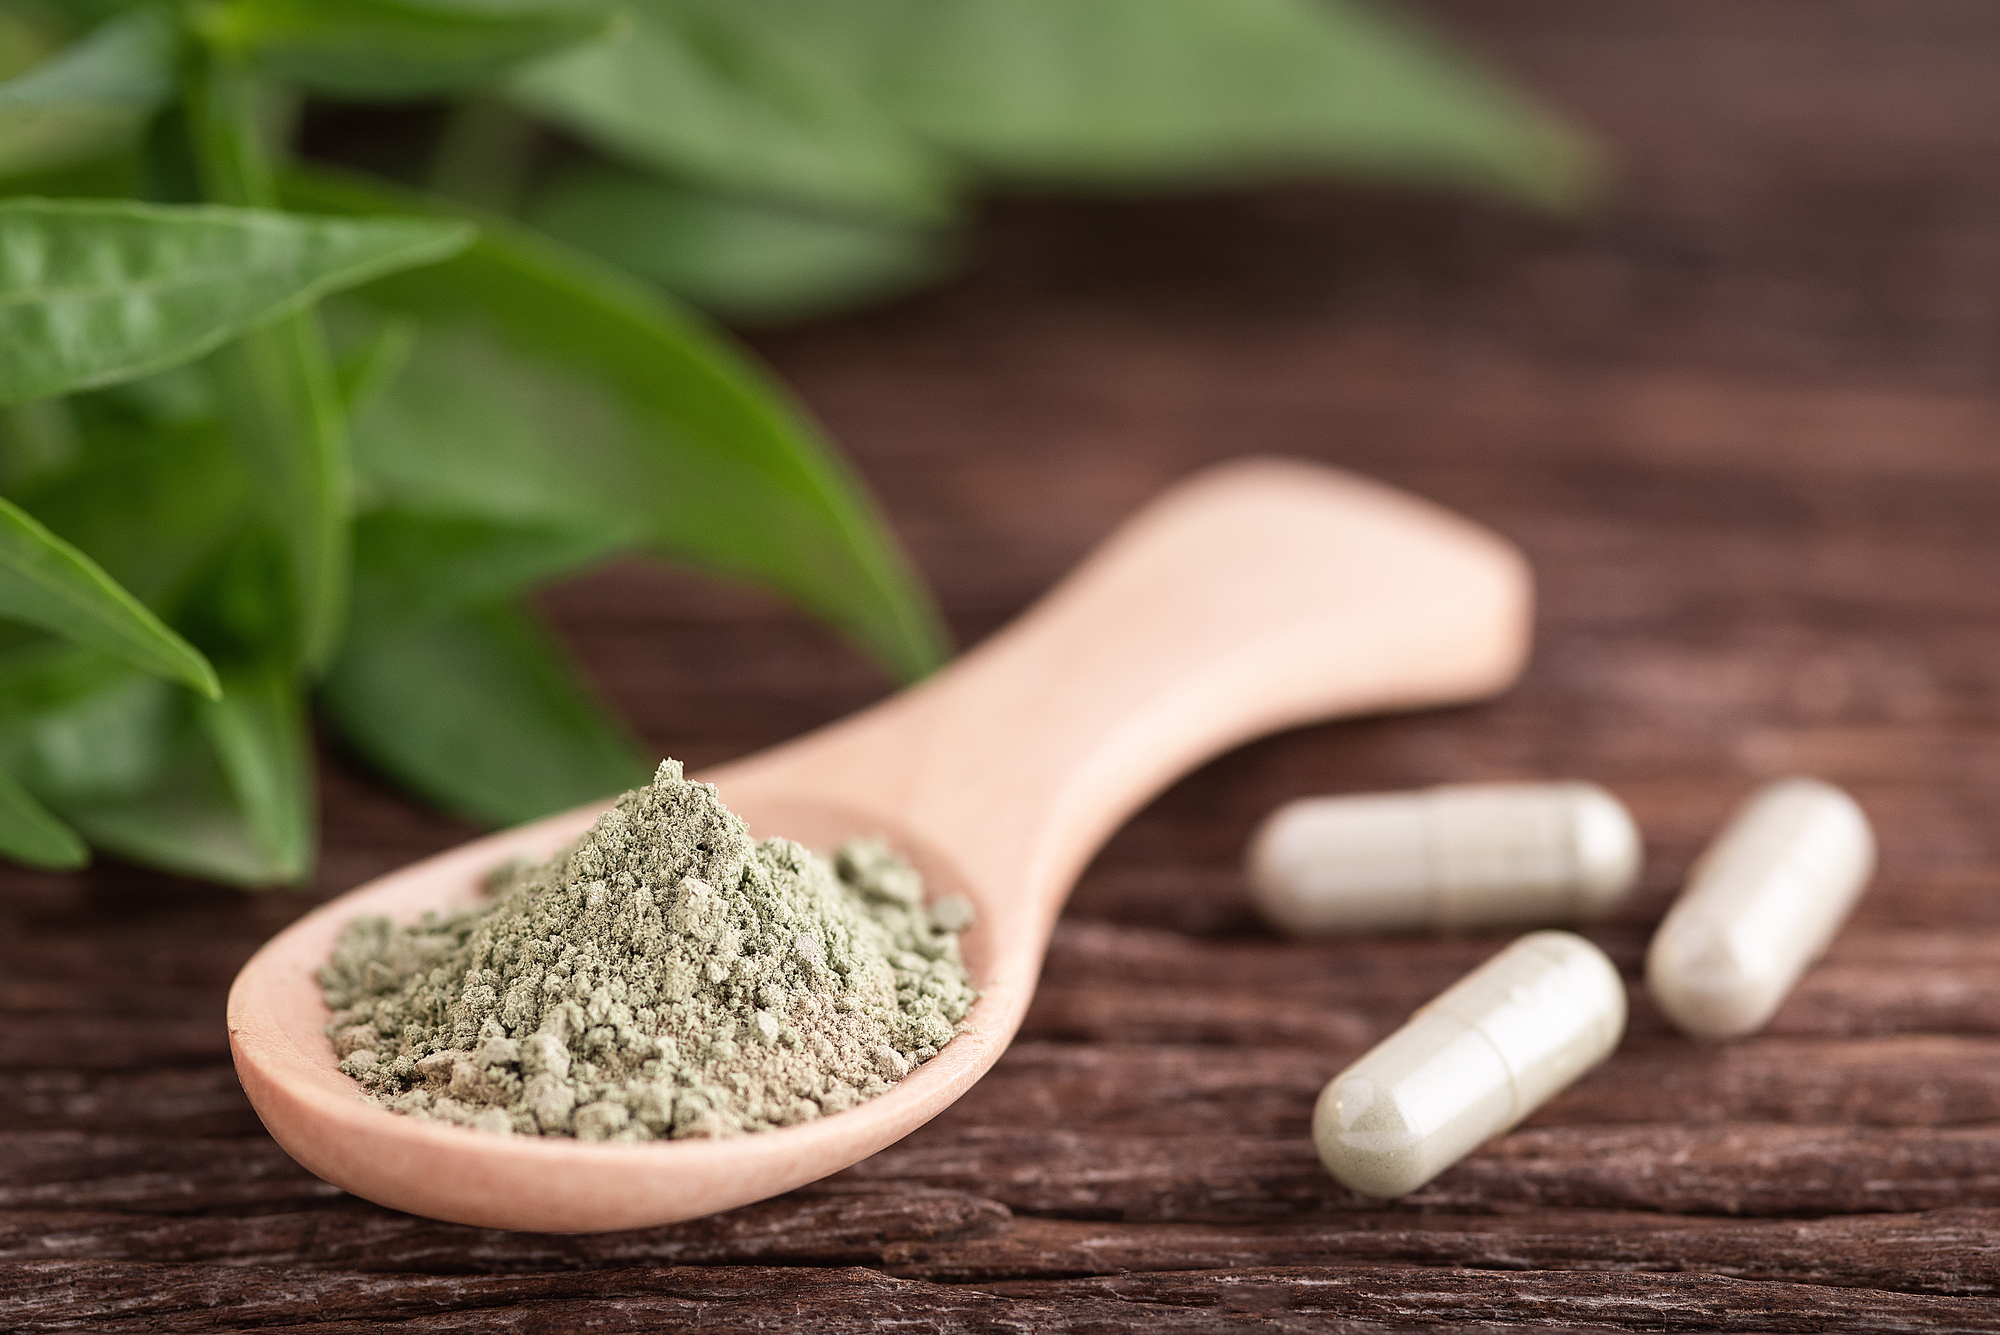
<point x="1747" y="425"/>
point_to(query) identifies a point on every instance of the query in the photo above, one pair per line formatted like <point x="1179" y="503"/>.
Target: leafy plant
<point x="278" y="437"/>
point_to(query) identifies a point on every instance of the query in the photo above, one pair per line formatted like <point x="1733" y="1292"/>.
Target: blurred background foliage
<point x="280" y="439"/>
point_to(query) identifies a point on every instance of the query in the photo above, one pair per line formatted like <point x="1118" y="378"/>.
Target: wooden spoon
<point x="1255" y="596"/>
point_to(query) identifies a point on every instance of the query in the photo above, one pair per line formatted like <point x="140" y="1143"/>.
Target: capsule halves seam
<point x="1456" y="857"/>
<point x="1471" y="1064"/>
<point x="1761" y="904"/>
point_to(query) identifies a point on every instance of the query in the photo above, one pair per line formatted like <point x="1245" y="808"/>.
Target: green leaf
<point x="99" y="178"/>
<point x="125" y="64"/>
<point x="481" y="714"/>
<point x="280" y="400"/>
<point x="605" y="400"/>
<point x="395" y="48"/>
<point x="157" y="491"/>
<point x="707" y="90"/>
<point x="259" y="735"/>
<point x="47" y="676"/>
<point x="31" y="833"/>
<point x="1149" y="93"/>
<point x="79" y="727"/>
<point x="506" y="732"/>
<point x="371" y="368"/>
<point x="131" y="761"/>
<point x="411" y="567"/>
<point x="743" y="261"/>
<point x="471" y="428"/>
<point x="282" y="408"/>
<point x="34" y="140"/>
<point x="186" y="822"/>
<point x="38" y="439"/>
<point x="85" y="12"/>
<point x="48" y="583"/>
<point x="38" y="134"/>
<point x="93" y="292"/>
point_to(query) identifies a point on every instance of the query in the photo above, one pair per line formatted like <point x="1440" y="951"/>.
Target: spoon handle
<point x="1252" y="597"/>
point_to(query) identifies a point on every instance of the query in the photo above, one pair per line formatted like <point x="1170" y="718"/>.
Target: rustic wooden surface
<point x="1747" y="425"/>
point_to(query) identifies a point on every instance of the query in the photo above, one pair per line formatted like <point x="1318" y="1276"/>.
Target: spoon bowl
<point x="1255" y="596"/>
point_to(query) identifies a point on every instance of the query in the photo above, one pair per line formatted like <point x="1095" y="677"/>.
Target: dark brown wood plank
<point x="956" y="1238"/>
<point x="1945" y="1251"/>
<point x="1110" y="982"/>
<point x="1723" y="1169"/>
<point x="40" y="1170"/>
<point x="1155" y="1088"/>
<point x="1728" y="1169"/>
<point x="818" y="1226"/>
<point x="101" y="1296"/>
<point x="162" y="1101"/>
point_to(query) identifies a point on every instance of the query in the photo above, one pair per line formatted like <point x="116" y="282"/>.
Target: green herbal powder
<point x="668" y="976"/>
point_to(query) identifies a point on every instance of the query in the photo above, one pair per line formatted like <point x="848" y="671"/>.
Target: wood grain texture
<point x="1746" y="424"/>
<point x="58" y="1296"/>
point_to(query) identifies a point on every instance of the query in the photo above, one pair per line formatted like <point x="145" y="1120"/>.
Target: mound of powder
<point x="668" y="976"/>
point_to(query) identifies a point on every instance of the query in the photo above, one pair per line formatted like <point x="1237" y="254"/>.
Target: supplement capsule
<point x="1492" y="1048"/>
<point x="1461" y="856"/>
<point x="1760" y="905"/>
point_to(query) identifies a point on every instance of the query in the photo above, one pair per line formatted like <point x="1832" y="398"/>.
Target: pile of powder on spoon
<point x="668" y="976"/>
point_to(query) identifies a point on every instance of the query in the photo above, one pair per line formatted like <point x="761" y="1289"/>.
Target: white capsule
<point x="1462" y="856"/>
<point x="1761" y="904"/>
<point x="1492" y="1048"/>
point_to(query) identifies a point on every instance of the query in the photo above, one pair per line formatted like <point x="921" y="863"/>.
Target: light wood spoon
<point x="1256" y="596"/>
